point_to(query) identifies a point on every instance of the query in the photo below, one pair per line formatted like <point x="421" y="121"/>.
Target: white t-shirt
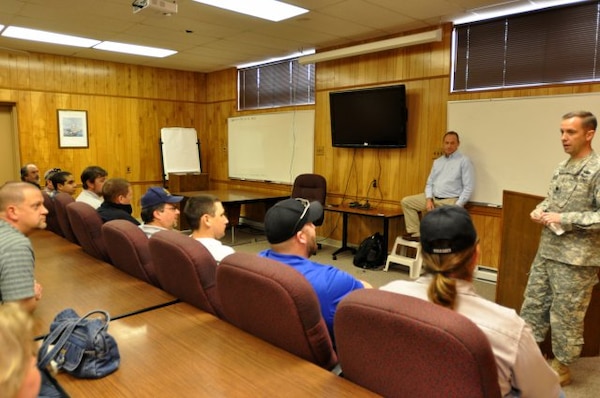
<point x="89" y="197"/>
<point x="150" y="230"/>
<point x="218" y="250"/>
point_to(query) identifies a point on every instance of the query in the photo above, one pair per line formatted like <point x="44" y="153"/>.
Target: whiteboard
<point x="514" y="143"/>
<point x="273" y="147"/>
<point x="180" y="150"/>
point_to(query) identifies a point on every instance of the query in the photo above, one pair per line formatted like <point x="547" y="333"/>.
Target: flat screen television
<point x="369" y="118"/>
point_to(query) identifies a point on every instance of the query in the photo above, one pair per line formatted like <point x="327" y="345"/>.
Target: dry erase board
<point x="273" y="147"/>
<point x="514" y="143"/>
<point x="180" y="150"/>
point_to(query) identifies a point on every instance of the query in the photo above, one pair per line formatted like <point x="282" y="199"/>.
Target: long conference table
<point x="167" y="348"/>
<point x="181" y="351"/>
<point x="71" y="278"/>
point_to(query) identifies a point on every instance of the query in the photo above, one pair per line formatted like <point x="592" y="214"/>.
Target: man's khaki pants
<point x="414" y="204"/>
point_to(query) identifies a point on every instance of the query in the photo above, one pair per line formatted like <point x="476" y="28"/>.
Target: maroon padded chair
<point x="127" y="247"/>
<point x="51" y="218"/>
<point x="312" y="187"/>
<point x="61" y="201"/>
<point x="401" y="346"/>
<point x="87" y="227"/>
<point x="276" y="303"/>
<point x="185" y="269"/>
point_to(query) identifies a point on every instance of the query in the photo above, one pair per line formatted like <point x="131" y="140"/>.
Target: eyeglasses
<point x="306" y="205"/>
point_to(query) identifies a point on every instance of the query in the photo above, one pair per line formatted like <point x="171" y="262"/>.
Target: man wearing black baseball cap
<point x="290" y="231"/>
<point x="159" y="210"/>
<point x="450" y="254"/>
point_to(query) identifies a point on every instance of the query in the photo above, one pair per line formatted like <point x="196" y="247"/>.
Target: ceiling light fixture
<point x="504" y="9"/>
<point x="266" y="9"/>
<point x="389" y="44"/>
<point x="17" y="32"/>
<point x="134" y="49"/>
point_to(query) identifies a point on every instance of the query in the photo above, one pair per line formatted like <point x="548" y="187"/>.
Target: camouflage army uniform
<point x="565" y="268"/>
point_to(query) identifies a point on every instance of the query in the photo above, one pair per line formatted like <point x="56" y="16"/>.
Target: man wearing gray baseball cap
<point x="290" y="231"/>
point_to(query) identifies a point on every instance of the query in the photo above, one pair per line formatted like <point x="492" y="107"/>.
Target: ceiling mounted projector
<point x="165" y="7"/>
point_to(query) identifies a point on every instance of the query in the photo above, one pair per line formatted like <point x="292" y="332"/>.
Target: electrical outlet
<point x="374" y="183"/>
<point x="128" y="170"/>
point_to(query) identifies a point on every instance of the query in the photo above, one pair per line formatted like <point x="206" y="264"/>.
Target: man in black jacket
<point x="117" y="195"/>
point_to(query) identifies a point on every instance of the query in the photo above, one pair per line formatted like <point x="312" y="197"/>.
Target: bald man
<point x="21" y="212"/>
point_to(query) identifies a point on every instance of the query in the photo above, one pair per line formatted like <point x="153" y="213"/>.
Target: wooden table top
<point x="181" y="351"/>
<point x="240" y="196"/>
<point x="72" y="278"/>
<point x="372" y="212"/>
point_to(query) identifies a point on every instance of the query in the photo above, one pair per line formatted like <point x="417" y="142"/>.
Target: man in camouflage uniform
<point x="565" y="268"/>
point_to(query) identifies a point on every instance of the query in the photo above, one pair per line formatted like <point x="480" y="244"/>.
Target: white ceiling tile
<point x="218" y="38"/>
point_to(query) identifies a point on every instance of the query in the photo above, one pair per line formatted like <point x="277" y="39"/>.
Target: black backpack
<point x="370" y="253"/>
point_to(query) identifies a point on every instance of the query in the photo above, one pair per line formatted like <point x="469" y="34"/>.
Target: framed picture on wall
<point x="72" y="129"/>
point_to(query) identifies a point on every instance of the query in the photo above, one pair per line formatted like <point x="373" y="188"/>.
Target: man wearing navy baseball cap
<point x="290" y="231"/>
<point x="159" y="210"/>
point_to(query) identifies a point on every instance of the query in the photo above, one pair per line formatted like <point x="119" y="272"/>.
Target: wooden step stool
<point x="399" y="256"/>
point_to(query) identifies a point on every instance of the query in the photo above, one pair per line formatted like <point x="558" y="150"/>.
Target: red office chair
<point x="185" y="269"/>
<point x="51" y="218"/>
<point x="61" y="201"/>
<point x="276" y="303"/>
<point x="87" y="227"/>
<point x="312" y="187"/>
<point x="401" y="346"/>
<point x="127" y="247"/>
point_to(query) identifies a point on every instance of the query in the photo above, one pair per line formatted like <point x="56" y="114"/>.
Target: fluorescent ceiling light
<point x="367" y="48"/>
<point x="483" y="13"/>
<point x="47" y="37"/>
<point x="133" y="49"/>
<point x="266" y="9"/>
<point x="268" y="61"/>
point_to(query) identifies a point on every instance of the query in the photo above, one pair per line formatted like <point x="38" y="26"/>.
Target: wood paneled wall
<point x="127" y="105"/>
<point x="425" y="72"/>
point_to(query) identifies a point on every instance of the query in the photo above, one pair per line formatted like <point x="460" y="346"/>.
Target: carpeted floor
<point x="585" y="372"/>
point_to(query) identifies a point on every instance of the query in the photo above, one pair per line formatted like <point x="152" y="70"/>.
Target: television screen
<point x="369" y="118"/>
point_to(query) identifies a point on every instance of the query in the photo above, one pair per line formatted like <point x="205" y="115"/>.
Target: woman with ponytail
<point x="450" y="250"/>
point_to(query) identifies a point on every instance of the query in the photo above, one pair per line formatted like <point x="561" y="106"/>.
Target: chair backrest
<point x="51" y="218"/>
<point x="61" y="200"/>
<point x="312" y="187"/>
<point x="420" y="349"/>
<point x="127" y="247"/>
<point x="276" y="303"/>
<point x="87" y="227"/>
<point x="185" y="269"/>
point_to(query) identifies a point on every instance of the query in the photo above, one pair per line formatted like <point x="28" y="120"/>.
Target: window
<point x="277" y="84"/>
<point x="558" y="45"/>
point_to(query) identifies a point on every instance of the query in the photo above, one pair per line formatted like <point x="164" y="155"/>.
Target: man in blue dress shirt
<point x="449" y="183"/>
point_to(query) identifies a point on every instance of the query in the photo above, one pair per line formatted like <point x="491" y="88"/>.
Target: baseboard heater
<point x="486" y="274"/>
